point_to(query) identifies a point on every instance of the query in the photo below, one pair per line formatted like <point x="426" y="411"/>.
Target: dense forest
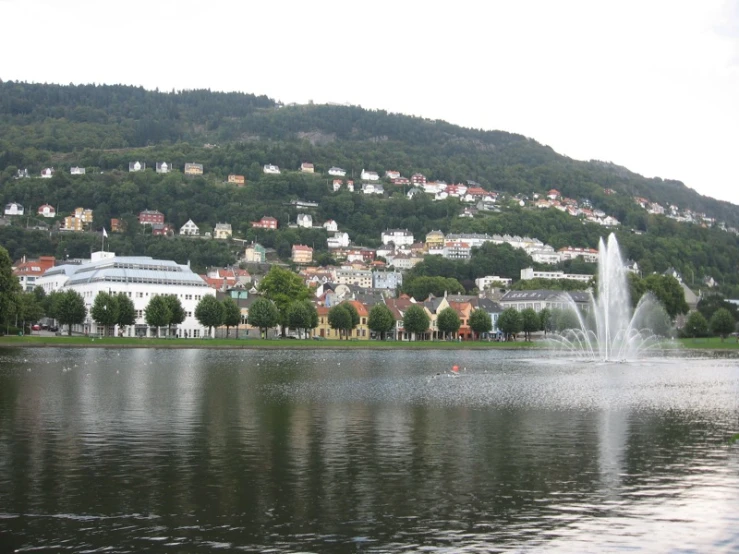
<point x="103" y="128"/>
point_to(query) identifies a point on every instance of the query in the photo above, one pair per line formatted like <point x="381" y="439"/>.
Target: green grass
<point x="126" y="342"/>
<point x="714" y="343"/>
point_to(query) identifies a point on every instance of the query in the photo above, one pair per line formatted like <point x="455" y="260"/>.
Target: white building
<point x="138" y="277"/>
<point x="337" y="171"/>
<point x="528" y="273"/>
<point x="222" y="231"/>
<point x="338" y="240"/>
<point x="483" y="283"/>
<point x="370" y="175"/>
<point x="163" y="167"/>
<point x="399" y="237"/>
<point x="13" y="208"/>
<point x="272" y="169"/>
<point x="190" y="228"/>
<point x="545" y="256"/>
<point x="305" y="220"/>
<point x="331" y="226"/>
<point x="371" y="188"/>
<point x="47" y="210"/>
<point x="47" y="173"/>
<point x="77" y="170"/>
<point x="136" y="166"/>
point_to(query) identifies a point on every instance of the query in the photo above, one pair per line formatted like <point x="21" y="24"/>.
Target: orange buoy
<point x="455" y="368"/>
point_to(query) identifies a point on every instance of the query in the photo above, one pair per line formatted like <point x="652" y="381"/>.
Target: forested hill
<point x="43" y="124"/>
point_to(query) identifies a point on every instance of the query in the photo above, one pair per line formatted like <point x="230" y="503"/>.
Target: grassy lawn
<point x="126" y="342"/>
<point x="710" y="343"/>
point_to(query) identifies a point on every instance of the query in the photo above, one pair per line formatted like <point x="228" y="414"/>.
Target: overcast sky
<point x="650" y="85"/>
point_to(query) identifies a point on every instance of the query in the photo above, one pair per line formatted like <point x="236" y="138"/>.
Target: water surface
<point x="364" y="451"/>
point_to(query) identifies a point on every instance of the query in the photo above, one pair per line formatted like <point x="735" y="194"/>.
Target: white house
<point x="138" y="277"/>
<point x="163" y="167"/>
<point x="350" y="186"/>
<point x="337" y="171"/>
<point x="337" y="184"/>
<point x="391" y="174"/>
<point x="305" y="220"/>
<point x="222" y="231"/>
<point x="483" y="283"/>
<point x="136" y="166"/>
<point x="272" y="169"/>
<point x="373" y="188"/>
<point x="370" y="175"/>
<point x="14" y="209"/>
<point x="77" y="170"/>
<point x="399" y="237"/>
<point x="47" y="210"/>
<point x="47" y="173"/>
<point x="331" y="226"/>
<point x="338" y="240"/>
<point x="190" y="228"/>
<point x="528" y="273"/>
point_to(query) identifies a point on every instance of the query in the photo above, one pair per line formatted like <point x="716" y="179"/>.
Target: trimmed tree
<point x="231" y="315"/>
<point x="696" y="326"/>
<point x="480" y="322"/>
<point x="263" y="314"/>
<point x="355" y="316"/>
<point x="381" y="320"/>
<point x="29" y="308"/>
<point x="9" y="286"/>
<point x="157" y="312"/>
<point x="283" y="287"/>
<point x="69" y="309"/>
<point x="209" y="312"/>
<point x="298" y="316"/>
<point x="177" y="313"/>
<point x="312" y="316"/>
<point x="416" y="320"/>
<point x="546" y="320"/>
<point x="722" y="323"/>
<point x="448" y="321"/>
<point x="340" y="318"/>
<point x="105" y="310"/>
<point x="531" y="322"/>
<point x="510" y="322"/>
<point x="126" y="310"/>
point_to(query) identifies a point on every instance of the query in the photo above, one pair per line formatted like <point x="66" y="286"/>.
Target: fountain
<point x="611" y="330"/>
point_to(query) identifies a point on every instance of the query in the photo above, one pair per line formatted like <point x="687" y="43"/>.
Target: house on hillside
<point x="337" y="184"/>
<point x="13" y="208"/>
<point x="306" y="167"/>
<point x="47" y="173"/>
<point x="392" y="174"/>
<point x="222" y="231"/>
<point x="47" y="210"/>
<point x="193" y="169"/>
<point x="302" y="254"/>
<point x="190" y="229"/>
<point x="77" y="170"/>
<point x="418" y="179"/>
<point x="136" y="166"/>
<point x="255" y="253"/>
<point x="337" y="171"/>
<point x="369" y="175"/>
<point x="305" y="220"/>
<point x="238" y="180"/>
<point x="265" y="223"/>
<point x="331" y="226"/>
<point x="149" y="217"/>
<point x="271" y="169"/>
<point x="163" y="167"/>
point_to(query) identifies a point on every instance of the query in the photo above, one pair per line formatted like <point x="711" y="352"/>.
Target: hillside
<point x="103" y="128"/>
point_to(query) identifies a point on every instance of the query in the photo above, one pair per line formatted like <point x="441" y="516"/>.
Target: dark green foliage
<point x="448" y="321"/>
<point x="177" y="313"/>
<point x="416" y="320"/>
<point x="480" y="322"/>
<point x="298" y="316"/>
<point x="510" y="322"/>
<point x="157" y="313"/>
<point x="68" y="308"/>
<point x="546" y="320"/>
<point x="380" y="320"/>
<point x="9" y="286"/>
<point x="420" y="287"/>
<point x="29" y="308"/>
<point x="669" y="292"/>
<point x="231" y="314"/>
<point x="722" y="323"/>
<point x="105" y="309"/>
<point x="709" y="303"/>
<point x="263" y="314"/>
<point x="126" y="310"/>
<point x="340" y="318"/>
<point x="209" y="312"/>
<point x="531" y="322"/>
<point x="696" y="326"/>
<point x="283" y="287"/>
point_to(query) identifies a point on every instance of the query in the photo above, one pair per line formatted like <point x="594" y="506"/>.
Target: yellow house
<point x="360" y="332"/>
<point x="435" y="239"/>
<point x="302" y="254"/>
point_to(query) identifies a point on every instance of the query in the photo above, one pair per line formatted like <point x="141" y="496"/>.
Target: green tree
<point x="722" y="323"/>
<point x="380" y="320"/>
<point x="421" y="287"/>
<point x="354" y="315"/>
<point x="510" y="322"/>
<point x="126" y="310"/>
<point x="105" y="310"/>
<point x="448" y="321"/>
<point x="416" y="321"/>
<point x="263" y="314"/>
<point x="231" y="314"/>
<point x="669" y="292"/>
<point x="9" y="287"/>
<point x="283" y="287"/>
<point x="564" y="319"/>
<point x="480" y="322"/>
<point x="69" y="309"/>
<point x="177" y="313"/>
<point x="709" y="303"/>
<point x="340" y="318"/>
<point x="312" y="316"/>
<point x="696" y="325"/>
<point x="531" y="322"/>
<point x="209" y="312"/>
<point x="157" y="313"/>
<point x="546" y="320"/>
<point x="40" y="294"/>
<point x="298" y="316"/>
<point x="29" y="308"/>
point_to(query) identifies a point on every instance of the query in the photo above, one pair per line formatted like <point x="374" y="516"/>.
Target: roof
<point x="131" y="269"/>
<point x="543" y="295"/>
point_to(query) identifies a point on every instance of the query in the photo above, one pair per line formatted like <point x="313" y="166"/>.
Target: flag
<point x="105" y="233"/>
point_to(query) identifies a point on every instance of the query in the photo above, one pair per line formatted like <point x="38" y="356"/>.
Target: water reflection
<point x="371" y="451"/>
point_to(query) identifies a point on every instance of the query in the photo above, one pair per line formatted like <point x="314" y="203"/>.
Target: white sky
<point x="650" y="85"/>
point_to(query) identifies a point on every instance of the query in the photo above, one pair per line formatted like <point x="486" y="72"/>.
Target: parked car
<point x="36" y="327"/>
<point x="53" y="328"/>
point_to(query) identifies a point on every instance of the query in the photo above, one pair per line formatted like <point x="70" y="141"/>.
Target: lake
<point x="143" y="450"/>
